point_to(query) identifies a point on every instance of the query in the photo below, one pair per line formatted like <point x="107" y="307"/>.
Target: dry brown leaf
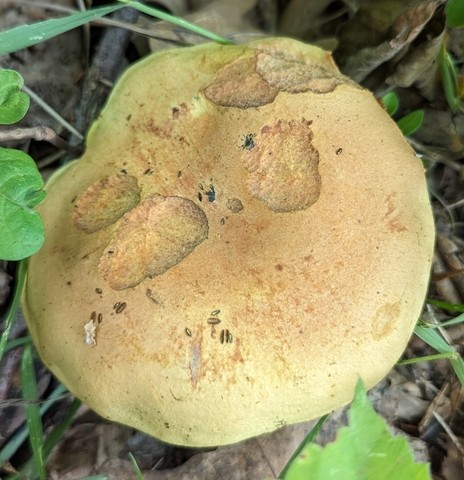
<point x="256" y="458"/>
<point x="379" y="32"/>
<point x="50" y="69"/>
<point x="442" y="133"/>
<point x="453" y="463"/>
<point x="419" y="67"/>
<point x="91" y="449"/>
<point x="299" y="15"/>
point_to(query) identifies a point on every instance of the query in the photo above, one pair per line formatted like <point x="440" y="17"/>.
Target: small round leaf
<point x="21" y="189"/>
<point x="13" y="103"/>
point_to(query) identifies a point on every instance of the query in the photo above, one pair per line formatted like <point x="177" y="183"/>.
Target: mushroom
<point x="246" y="235"/>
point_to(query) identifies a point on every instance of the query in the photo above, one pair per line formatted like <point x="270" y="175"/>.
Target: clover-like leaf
<point x="391" y="103"/>
<point x="454" y="14"/>
<point x="364" y="450"/>
<point x="21" y="189"/>
<point x="13" y="103"/>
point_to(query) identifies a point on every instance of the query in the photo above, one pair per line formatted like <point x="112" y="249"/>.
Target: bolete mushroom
<point x="246" y="235"/>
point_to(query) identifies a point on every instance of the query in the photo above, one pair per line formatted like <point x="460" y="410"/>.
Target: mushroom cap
<point x="246" y="235"/>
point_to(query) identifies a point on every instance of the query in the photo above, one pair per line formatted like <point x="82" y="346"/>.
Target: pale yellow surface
<point x="309" y="299"/>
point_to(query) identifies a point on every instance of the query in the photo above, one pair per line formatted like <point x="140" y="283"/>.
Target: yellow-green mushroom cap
<point x="246" y="235"/>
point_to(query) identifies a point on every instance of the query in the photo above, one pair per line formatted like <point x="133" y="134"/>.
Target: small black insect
<point x="226" y="336"/>
<point x="213" y="321"/>
<point x="248" y="141"/>
<point x="211" y="194"/>
<point x="338" y="151"/>
<point x="188" y="332"/>
<point x="119" y="307"/>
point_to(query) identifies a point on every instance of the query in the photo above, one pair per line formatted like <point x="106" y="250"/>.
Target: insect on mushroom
<point x="248" y="141"/>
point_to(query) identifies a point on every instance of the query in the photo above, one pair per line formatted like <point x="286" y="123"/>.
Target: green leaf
<point x="455" y="13"/>
<point x="310" y="438"/>
<point x="180" y="22"/>
<point x="13" y="308"/>
<point x="451" y="307"/>
<point x="21" y="189"/>
<point x="391" y="102"/>
<point x="450" y="79"/>
<point x="15" y="442"/>
<point x="27" y="35"/>
<point x="138" y="472"/>
<point x="430" y="336"/>
<point x="13" y="103"/>
<point x="365" y="450"/>
<point x="411" y="122"/>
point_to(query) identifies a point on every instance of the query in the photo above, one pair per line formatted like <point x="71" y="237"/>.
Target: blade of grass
<point x="17" y="342"/>
<point x="436" y="341"/>
<point x="180" y="22"/>
<point x="53" y="438"/>
<point x="25" y="36"/>
<point x="307" y="440"/>
<point x="451" y="307"/>
<point x="426" y="358"/>
<point x="59" y="430"/>
<point x="18" y="439"/>
<point x="33" y="418"/>
<point x="450" y="79"/>
<point x="138" y="472"/>
<point x="11" y="313"/>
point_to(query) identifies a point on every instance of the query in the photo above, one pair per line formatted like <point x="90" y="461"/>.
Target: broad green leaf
<point x="455" y="13"/>
<point x="391" y="102"/>
<point x="25" y="36"/>
<point x="21" y="189"/>
<point x="411" y="122"/>
<point x="13" y="103"/>
<point x="365" y="450"/>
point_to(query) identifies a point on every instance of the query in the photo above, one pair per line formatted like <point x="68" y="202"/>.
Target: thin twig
<point x="39" y="134"/>
<point x="53" y="113"/>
